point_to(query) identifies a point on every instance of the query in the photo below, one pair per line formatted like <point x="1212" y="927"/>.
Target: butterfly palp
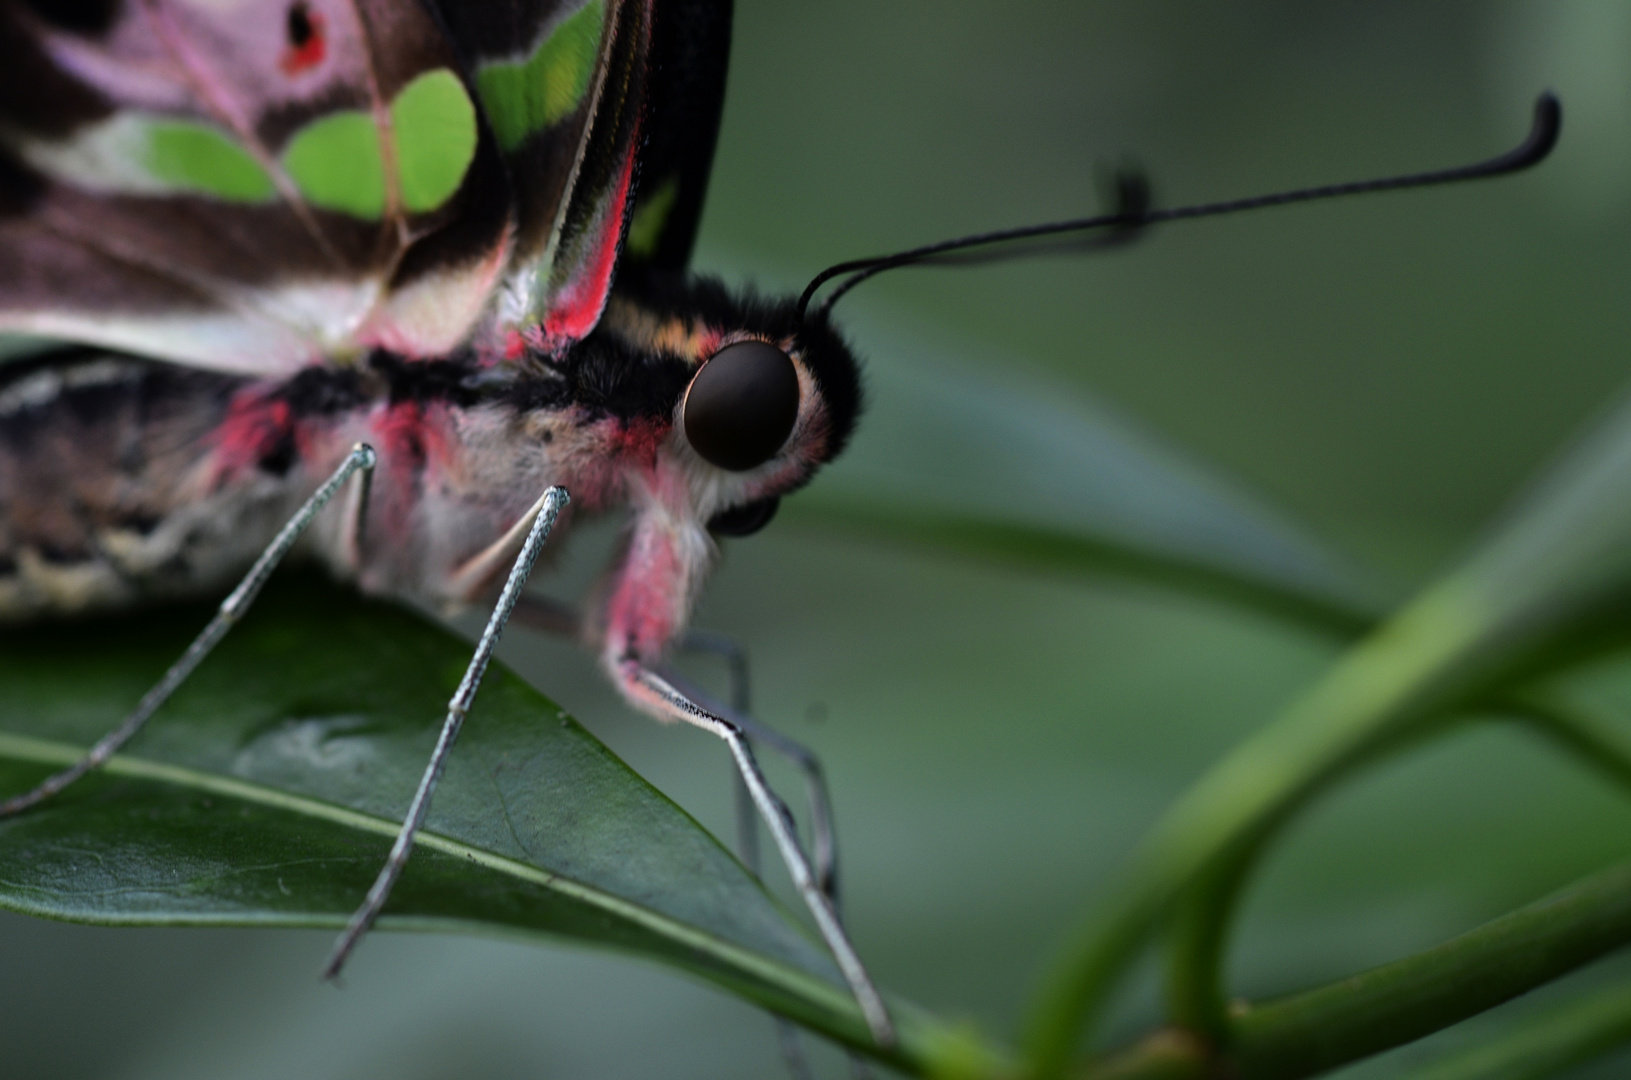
<point x="744" y="520"/>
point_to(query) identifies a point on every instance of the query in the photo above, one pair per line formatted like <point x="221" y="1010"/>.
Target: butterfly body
<point x="394" y="281"/>
<point x="383" y="222"/>
<point x="124" y="479"/>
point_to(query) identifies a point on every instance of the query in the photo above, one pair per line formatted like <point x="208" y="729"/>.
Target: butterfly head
<point x="712" y="407"/>
<point x="763" y="399"/>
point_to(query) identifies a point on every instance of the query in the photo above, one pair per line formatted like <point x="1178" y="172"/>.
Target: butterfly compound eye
<point x="740" y="408"/>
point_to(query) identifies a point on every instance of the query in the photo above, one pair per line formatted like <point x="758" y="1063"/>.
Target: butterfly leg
<point x="654" y="689"/>
<point x="361" y="462"/>
<point x="747" y="822"/>
<point x="542" y="515"/>
<point x="825" y="855"/>
<point x="554" y="617"/>
<point x="825" y="858"/>
<point x="735" y="656"/>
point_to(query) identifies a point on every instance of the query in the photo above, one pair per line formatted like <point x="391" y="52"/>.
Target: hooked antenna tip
<point x="1547" y="127"/>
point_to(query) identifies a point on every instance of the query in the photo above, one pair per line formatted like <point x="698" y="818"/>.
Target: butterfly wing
<point x="240" y="183"/>
<point x="685" y="98"/>
<point x="253" y="185"/>
<point x="651" y="113"/>
<point x="690" y="53"/>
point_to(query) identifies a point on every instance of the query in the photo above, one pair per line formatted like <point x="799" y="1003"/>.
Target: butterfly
<point x="401" y="281"/>
<point x="429" y="254"/>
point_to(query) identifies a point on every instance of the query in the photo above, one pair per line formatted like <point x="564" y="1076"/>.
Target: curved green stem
<point x="1425" y="662"/>
<point x="1197" y="999"/>
<point x="1586" y="1028"/>
<point x="1551" y="586"/>
<point x="1307" y="1033"/>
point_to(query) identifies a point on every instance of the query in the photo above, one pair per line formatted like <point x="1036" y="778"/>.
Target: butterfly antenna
<point x="1133" y="215"/>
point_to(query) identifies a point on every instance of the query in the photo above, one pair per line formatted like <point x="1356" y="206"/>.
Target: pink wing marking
<point x="577" y="306"/>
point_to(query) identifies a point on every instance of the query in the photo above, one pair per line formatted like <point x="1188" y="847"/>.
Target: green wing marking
<point x="650" y="215"/>
<point x="435" y="125"/>
<point x="195" y="157"/>
<point x="337" y="164"/>
<point x="523" y="97"/>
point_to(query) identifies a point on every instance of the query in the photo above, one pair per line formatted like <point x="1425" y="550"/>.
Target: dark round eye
<point x="741" y="406"/>
<point x="744" y="520"/>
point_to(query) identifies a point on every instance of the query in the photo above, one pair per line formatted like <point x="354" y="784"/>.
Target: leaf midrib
<point x="50" y="752"/>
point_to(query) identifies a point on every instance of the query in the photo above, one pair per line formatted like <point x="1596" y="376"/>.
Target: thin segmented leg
<point x="360" y="460"/>
<point x="747" y="821"/>
<point x="730" y="650"/>
<point x="550" y="616"/>
<point x="747" y="832"/>
<point x="737" y="729"/>
<point x="803" y="758"/>
<point x="774" y="813"/>
<point x="543" y="514"/>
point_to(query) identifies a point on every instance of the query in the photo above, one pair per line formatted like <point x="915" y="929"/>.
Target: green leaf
<point x="266" y="793"/>
<point x="198" y="157"/>
<point x="1561" y="1038"/>
<point x="1017" y="472"/>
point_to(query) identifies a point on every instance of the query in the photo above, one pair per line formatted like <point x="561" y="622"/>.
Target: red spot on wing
<point x="308" y="42"/>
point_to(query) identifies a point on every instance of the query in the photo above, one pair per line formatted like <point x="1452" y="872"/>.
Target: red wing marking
<point x="308" y="42"/>
<point x="576" y="308"/>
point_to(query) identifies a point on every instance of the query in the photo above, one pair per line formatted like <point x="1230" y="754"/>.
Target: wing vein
<point x="204" y="83"/>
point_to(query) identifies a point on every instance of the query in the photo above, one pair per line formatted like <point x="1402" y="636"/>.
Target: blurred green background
<point x="1389" y="370"/>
